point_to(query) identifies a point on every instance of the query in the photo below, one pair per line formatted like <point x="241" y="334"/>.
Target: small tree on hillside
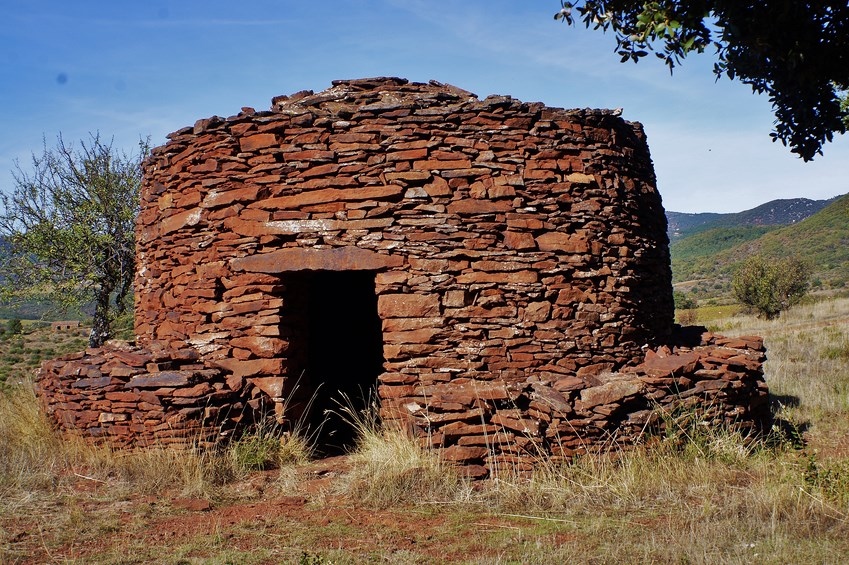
<point x="14" y="326"/>
<point x="69" y="223"/>
<point x="684" y="300"/>
<point x="770" y="287"/>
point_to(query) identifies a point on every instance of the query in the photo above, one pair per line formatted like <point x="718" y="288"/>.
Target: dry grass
<point x="705" y="496"/>
<point x="808" y="366"/>
<point x="37" y="459"/>
<point x="700" y="496"/>
<point x="389" y="468"/>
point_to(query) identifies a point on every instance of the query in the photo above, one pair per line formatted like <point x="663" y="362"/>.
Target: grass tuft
<point x="269" y="448"/>
<point x="390" y="468"/>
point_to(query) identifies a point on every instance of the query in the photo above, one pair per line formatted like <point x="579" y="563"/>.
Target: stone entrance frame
<point x="518" y="257"/>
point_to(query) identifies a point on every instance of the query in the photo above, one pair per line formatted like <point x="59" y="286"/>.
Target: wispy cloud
<point x="213" y="22"/>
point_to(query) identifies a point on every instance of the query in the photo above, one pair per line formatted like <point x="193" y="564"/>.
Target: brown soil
<point x="89" y="525"/>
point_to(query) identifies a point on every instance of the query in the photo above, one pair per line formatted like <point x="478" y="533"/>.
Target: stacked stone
<point x="508" y="238"/>
<point x="501" y="426"/>
<point x="519" y="254"/>
<point x="129" y="397"/>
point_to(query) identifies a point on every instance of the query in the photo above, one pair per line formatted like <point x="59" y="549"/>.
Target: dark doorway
<point x="336" y="349"/>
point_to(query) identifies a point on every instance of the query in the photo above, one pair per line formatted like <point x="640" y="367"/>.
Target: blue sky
<point x="137" y="68"/>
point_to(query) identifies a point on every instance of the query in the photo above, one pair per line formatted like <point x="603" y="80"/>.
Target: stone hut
<point x="497" y="270"/>
<point x="65" y="325"/>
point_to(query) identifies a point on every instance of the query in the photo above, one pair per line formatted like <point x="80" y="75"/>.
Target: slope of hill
<point x="775" y="212"/>
<point x="30" y="309"/>
<point x="712" y="241"/>
<point x="821" y="239"/>
<point x="682" y="224"/>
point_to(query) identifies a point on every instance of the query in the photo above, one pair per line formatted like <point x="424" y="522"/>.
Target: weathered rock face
<point x="512" y="258"/>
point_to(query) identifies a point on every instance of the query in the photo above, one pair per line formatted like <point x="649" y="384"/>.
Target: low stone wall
<point x="129" y="396"/>
<point x="496" y="425"/>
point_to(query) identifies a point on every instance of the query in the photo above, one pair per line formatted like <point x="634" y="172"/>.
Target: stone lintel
<point x="301" y="259"/>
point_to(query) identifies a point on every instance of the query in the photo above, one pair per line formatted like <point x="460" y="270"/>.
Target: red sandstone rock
<point x="272" y="386"/>
<point x="561" y="242"/>
<point x="257" y="141"/>
<point x="609" y="393"/>
<point x="341" y="259"/>
<point x="161" y="379"/>
<point x="460" y="454"/>
<point x="407" y="305"/>
<point x="680" y="364"/>
<point x="254" y="367"/>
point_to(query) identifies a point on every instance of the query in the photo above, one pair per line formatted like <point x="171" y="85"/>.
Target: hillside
<point x="776" y="212"/>
<point x="821" y="239"/>
<point x="32" y="309"/>
<point x="682" y="224"/>
<point x="712" y="241"/>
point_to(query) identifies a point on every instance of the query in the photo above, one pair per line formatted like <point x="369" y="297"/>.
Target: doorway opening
<point x="335" y="351"/>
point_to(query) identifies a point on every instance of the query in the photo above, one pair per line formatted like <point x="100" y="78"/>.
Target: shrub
<point x="255" y="452"/>
<point x="269" y="448"/>
<point x="688" y="317"/>
<point x="830" y="477"/>
<point x="837" y="352"/>
<point x="14" y="326"/>
<point x="770" y="287"/>
<point x="684" y="301"/>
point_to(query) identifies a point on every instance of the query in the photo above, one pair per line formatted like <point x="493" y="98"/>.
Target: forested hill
<point x="821" y="239"/>
<point x="774" y="213"/>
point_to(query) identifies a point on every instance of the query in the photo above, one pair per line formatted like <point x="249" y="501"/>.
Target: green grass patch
<point x="711" y="313"/>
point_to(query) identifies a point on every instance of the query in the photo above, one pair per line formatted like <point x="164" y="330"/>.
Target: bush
<point x="14" y="326"/>
<point x="769" y="287"/>
<point x="256" y="452"/>
<point x="684" y="301"/>
<point x="269" y="448"/>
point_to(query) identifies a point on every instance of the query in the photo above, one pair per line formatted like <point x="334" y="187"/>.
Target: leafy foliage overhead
<point x="795" y="52"/>
<point x="69" y="224"/>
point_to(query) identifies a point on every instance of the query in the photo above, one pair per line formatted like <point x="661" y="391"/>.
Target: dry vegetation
<point x="704" y="496"/>
<point x="21" y="353"/>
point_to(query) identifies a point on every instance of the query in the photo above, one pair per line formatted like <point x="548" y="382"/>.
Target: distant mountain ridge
<point x="709" y="256"/>
<point x="779" y="212"/>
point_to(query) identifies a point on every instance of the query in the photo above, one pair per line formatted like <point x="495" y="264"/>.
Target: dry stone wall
<point x="517" y="253"/>
<point x="132" y="397"/>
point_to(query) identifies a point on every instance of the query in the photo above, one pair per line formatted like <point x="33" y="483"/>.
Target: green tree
<point x="770" y="287"/>
<point x="684" y="300"/>
<point x="795" y="52"/>
<point x="69" y="224"/>
<point x="14" y="326"/>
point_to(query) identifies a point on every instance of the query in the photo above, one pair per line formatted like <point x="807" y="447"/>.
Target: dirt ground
<point x="259" y="522"/>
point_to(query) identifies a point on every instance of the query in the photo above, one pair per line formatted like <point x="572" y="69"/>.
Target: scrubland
<point x="696" y="496"/>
